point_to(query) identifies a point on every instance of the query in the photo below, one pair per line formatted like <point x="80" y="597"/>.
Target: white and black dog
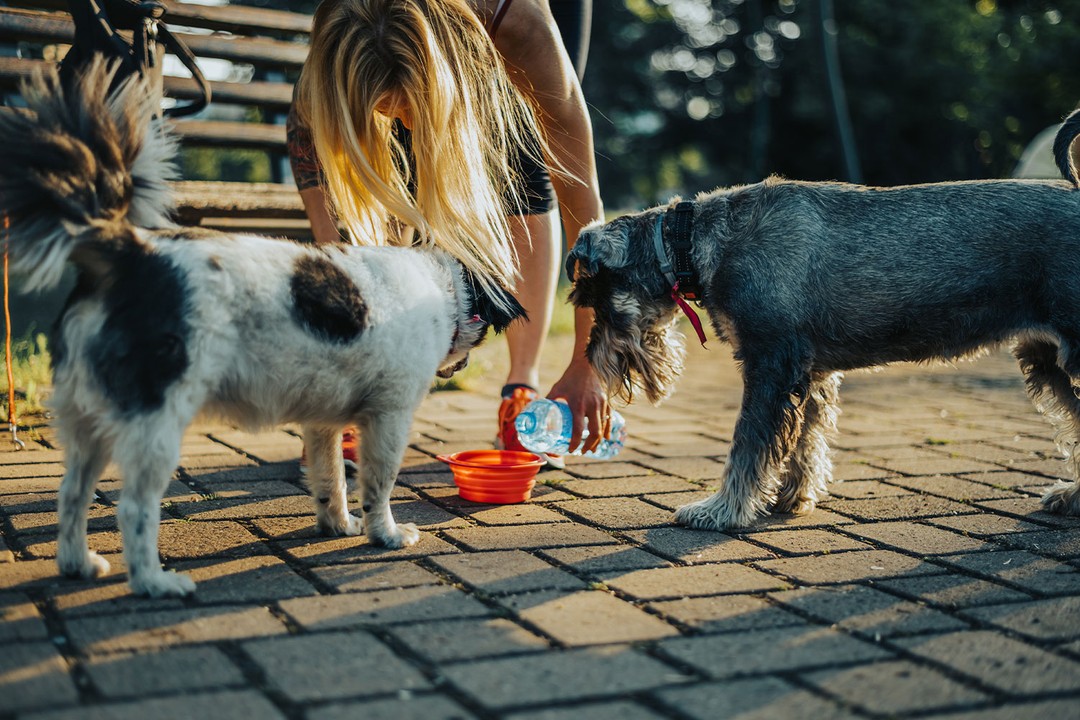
<point x="807" y="280"/>
<point x="164" y="323"/>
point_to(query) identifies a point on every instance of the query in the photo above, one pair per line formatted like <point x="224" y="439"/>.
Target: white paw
<point x="709" y="514"/>
<point x="1063" y="498"/>
<point x="162" y="583"/>
<point x="405" y="535"/>
<point x="352" y="526"/>
<point x="90" y="566"/>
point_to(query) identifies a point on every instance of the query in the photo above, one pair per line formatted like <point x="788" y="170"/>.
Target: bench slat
<point x="239" y="19"/>
<point x="221" y="133"/>
<point x="201" y="199"/>
<point x="51" y="27"/>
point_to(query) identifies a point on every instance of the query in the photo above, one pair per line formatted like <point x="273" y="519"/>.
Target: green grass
<point x="31" y="362"/>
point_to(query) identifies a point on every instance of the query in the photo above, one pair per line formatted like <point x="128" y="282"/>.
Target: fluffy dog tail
<point x="80" y="169"/>
<point x="1063" y="147"/>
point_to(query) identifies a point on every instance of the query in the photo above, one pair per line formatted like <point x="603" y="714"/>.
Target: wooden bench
<point x="253" y="56"/>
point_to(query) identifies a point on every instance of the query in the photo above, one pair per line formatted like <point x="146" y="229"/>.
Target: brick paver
<point x="930" y="585"/>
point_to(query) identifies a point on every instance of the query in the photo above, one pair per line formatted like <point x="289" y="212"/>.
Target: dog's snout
<point x="448" y="372"/>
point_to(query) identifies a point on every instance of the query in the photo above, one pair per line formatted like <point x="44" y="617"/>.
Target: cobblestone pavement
<point x="929" y="585"/>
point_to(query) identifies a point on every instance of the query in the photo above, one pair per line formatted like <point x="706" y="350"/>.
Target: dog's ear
<point x="495" y="305"/>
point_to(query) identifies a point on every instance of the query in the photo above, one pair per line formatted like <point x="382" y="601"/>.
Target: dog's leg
<point x="85" y="457"/>
<point x="383" y="438"/>
<point x="809" y="469"/>
<point x="765" y="433"/>
<point x="148" y="451"/>
<point x="326" y="479"/>
<point x="1052" y="390"/>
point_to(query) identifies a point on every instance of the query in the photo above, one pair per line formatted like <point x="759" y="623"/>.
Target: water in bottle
<point x="544" y="426"/>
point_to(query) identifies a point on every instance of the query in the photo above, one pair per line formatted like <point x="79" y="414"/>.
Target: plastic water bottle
<point x="544" y="426"/>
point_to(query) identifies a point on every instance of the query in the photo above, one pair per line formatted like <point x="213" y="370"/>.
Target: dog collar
<point x="681" y="275"/>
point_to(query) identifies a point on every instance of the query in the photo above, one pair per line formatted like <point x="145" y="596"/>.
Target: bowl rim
<point x="453" y="459"/>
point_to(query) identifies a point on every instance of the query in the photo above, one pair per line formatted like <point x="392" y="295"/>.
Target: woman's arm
<point x="307" y="174"/>
<point x="539" y="65"/>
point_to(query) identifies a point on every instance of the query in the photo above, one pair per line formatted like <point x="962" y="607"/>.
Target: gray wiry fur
<point x="166" y="322"/>
<point x="807" y="280"/>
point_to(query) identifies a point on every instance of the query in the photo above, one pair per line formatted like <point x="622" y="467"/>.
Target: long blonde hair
<point x="467" y="120"/>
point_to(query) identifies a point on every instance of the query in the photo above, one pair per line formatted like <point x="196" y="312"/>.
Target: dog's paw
<point x="794" y="505"/>
<point x="404" y="535"/>
<point x="351" y="527"/>
<point x="1063" y="498"/>
<point x="89" y="566"/>
<point x="162" y="583"/>
<point x="709" y="514"/>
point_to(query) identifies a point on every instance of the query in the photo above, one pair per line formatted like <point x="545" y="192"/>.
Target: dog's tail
<point x="1063" y="147"/>
<point x="80" y="168"/>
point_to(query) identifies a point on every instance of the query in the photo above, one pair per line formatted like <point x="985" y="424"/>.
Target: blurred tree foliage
<point x="687" y="95"/>
<point x="691" y="94"/>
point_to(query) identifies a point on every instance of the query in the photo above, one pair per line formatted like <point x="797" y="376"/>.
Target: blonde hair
<point x="467" y="121"/>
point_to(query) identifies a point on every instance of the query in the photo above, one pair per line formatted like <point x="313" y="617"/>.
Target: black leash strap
<point x="97" y="23"/>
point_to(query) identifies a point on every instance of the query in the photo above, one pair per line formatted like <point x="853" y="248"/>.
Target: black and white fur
<point x="167" y="322"/>
<point x="807" y="280"/>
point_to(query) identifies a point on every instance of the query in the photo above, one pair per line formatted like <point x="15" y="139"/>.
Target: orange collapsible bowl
<point x="497" y="477"/>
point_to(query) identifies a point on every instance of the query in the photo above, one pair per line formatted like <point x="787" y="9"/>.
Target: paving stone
<point x="1029" y="572"/>
<point x="868" y="611"/>
<point x="168" y="671"/>
<point x="617" y="710"/>
<point x="20" y="619"/>
<point x="675" y="500"/>
<point x="210" y="706"/>
<point x="32" y="676"/>
<point x="560" y="676"/>
<point x="821" y="517"/>
<point x="952" y="488"/>
<point x="848" y="567"/>
<point x="587" y="618"/>
<point x="984" y="525"/>
<point x="244" y="509"/>
<point x="697" y="546"/>
<point x="528" y="537"/>
<point x="726" y="613"/>
<point x="895" y="688"/>
<point x="468" y="639"/>
<point x="998" y="661"/>
<point x="189" y="626"/>
<point x="770" y="650"/>
<point x="899" y="508"/>
<point x="610" y="469"/>
<point x="43" y="547"/>
<point x="865" y="489"/>
<point x="808" y="542"/>
<point x="628" y="486"/>
<point x="689" y="468"/>
<point x="332" y="666"/>
<point x="766" y="698"/>
<point x="516" y="514"/>
<point x="952" y="591"/>
<point x="696" y="580"/>
<point x="506" y="571"/>
<point x="30" y="523"/>
<point x="406" y="706"/>
<point x="617" y="513"/>
<point x="1005" y="480"/>
<point x="336" y="551"/>
<point x="1017" y="711"/>
<point x="1062" y="544"/>
<point x="375" y="576"/>
<point x="1029" y="509"/>
<point x="250" y="580"/>
<point x="1054" y="619"/>
<point x="599" y="559"/>
<point x="381" y="607"/>
<point x="917" y="538"/>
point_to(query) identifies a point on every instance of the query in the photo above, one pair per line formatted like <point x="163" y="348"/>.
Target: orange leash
<point x="13" y="425"/>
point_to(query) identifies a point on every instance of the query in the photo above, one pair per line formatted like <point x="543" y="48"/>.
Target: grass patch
<point x="32" y="364"/>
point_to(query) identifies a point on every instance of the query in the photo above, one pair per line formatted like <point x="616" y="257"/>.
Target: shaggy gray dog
<point x="807" y="280"/>
<point x="166" y="321"/>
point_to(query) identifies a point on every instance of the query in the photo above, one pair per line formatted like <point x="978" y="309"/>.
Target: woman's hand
<point x="582" y="391"/>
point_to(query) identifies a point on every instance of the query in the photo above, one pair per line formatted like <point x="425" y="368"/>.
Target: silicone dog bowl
<point x="498" y="477"/>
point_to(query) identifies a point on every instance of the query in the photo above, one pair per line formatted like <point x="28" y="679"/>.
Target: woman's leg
<point x="538" y="242"/>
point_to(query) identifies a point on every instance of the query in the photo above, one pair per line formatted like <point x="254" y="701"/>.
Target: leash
<point x="13" y="425"/>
